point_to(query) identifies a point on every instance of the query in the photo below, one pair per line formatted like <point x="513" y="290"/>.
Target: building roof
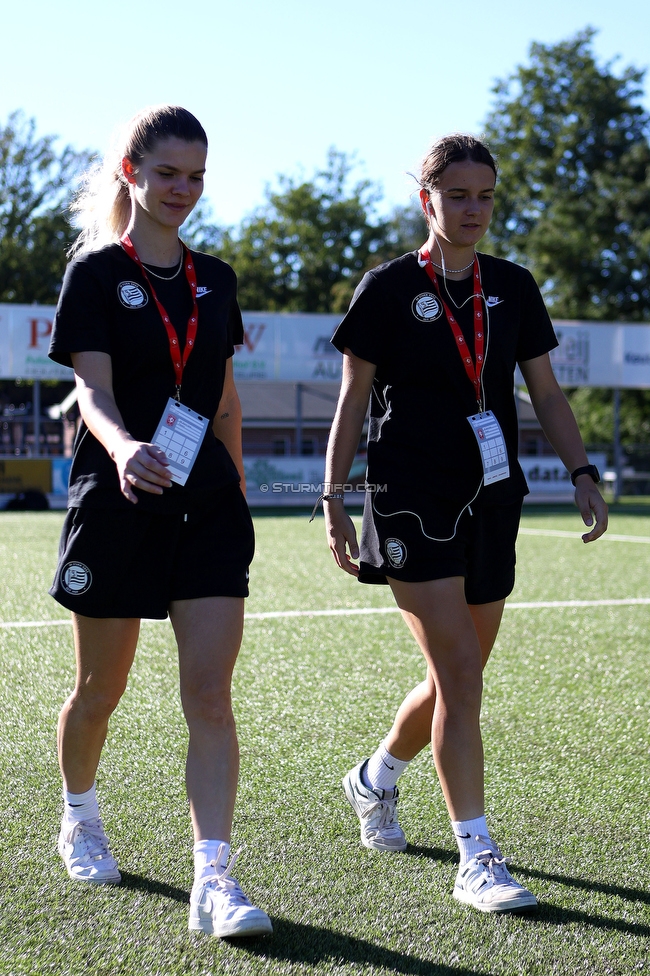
<point x="525" y="411"/>
<point x="274" y="402"/>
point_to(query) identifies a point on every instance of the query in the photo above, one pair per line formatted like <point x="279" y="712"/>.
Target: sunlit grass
<point x="566" y="733"/>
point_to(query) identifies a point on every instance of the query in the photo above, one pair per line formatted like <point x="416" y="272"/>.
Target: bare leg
<point x="440" y="620"/>
<point x="105" y="648"/>
<point x="487" y="620"/>
<point x="209" y="632"/>
<point x="411" y="729"/>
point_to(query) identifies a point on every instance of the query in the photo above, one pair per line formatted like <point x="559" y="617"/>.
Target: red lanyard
<point x="473" y="372"/>
<point x="178" y="361"/>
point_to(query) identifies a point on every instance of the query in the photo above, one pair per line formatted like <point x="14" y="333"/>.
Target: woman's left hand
<point x="591" y="504"/>
<point x="342" y="536"/>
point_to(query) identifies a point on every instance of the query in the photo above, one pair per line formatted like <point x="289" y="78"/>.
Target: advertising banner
<point x="296" y="480"/>
<point x="603" y="354"/>
<point x="289" y="481"/>
<point x="297" y="348"/>
<point x="290" y="347"/>
<point x="24" y="340"/>
<point x="547" y="476"/>
<point x="5" y="344"/>
<point x="580" y="354"/>
<point x="635" y="356"/>
<point x="25" y="474"/>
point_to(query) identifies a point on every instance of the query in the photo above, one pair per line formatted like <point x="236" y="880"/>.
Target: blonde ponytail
<point x="102" y="209"/>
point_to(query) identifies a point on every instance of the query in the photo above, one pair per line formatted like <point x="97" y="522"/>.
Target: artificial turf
<point x="566" y="730"/>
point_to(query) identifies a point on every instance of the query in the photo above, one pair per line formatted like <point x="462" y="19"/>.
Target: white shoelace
<point x="223" y="881"/>
<point x="386" y="819"/>
<point x="496" y="866"/>
<point x="93" y="836"/>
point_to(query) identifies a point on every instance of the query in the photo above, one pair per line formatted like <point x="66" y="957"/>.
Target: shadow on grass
<point x="296" y="942"/>
<point x="618" y="891"/>
<point x="551" y="914"/>
<point x="317" y="943"/>
<point x="299" y="943"/>
<point x="446" y="855"/>
<point x="137" y="882"/>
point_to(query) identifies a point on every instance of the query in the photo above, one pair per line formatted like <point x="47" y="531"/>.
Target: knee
<point x="208" y="703"/>
<point x="95" y="703"/>
<point x="460" y="687"/>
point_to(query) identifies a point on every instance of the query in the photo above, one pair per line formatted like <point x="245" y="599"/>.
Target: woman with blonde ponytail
<point x="158" y="523"/>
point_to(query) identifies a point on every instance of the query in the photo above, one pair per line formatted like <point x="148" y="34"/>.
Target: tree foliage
<point x="594" y="412"/>
<point x="308" y="246"/>
<point x="36" y="183"/>
<point x="574" y="191"/>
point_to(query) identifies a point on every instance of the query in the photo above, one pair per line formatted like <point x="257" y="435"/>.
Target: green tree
<point x="594" y="411"/>
<point x="36" y="183"/>
<point x="407" y="231"/>
<point x="308" y="246"/>
<point x="574" y="189"/>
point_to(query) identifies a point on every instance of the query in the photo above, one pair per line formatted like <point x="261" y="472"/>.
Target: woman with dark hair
<point x="158" y="522"/>
<point x="432" y="339"/>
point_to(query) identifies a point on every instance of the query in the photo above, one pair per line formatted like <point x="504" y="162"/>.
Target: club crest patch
<point x="396" y="553"/>
<point x="131" y="294"/>
<point x="76" y="578"/>
<point x="426" y="307"/>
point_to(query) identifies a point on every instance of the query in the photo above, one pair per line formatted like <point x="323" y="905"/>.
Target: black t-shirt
<point x="419" y="438"/>
<point x="106" y="306"/>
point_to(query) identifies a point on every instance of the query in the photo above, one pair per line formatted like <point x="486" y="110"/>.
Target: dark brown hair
<point x="455" y="148"/>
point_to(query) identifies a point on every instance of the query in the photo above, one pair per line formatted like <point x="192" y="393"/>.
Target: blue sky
<point x="276" y="84"/>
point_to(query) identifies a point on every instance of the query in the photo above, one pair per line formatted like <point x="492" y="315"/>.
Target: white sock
<point x="80" y="806"/>
<point x="207" y="851"/>
<point x="472" y="837"/>
<point x="383" y="770"/>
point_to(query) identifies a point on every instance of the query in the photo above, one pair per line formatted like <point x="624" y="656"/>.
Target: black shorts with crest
<point x="481" y="548"/>
<point x="135" y="563"/>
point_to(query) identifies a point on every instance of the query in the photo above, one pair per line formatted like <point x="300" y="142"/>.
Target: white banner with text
<point x="297" y="348"/>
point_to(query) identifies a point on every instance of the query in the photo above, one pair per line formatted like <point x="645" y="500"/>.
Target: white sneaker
<point x="86" y="854"/>
<point x="485" y="883"/>
<point x="377" y="812"/>
<point x="219" y="907"/>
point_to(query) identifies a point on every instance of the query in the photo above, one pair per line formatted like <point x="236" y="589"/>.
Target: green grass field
<point x="566" y="729"/>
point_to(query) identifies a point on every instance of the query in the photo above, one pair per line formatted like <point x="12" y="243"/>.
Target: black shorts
<point x="132" y="563"/>
<point x="482" y="550"/>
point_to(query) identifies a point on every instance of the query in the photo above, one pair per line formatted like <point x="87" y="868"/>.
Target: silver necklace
<point x="168" y="277"/>
<point x="452" y="270"/>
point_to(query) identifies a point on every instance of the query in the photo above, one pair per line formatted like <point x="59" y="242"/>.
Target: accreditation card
<point x="492" y="445"/>
<point x="180" y="435"/>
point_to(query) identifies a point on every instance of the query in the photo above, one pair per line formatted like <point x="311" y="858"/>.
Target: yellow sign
<point x="25" y="474"/>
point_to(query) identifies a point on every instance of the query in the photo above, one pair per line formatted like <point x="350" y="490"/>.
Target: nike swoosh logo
<point x="386" y="765"/>
<point x="200" y="293"/>
<point x="490" y="303"/>
<point x="464" y="836"/>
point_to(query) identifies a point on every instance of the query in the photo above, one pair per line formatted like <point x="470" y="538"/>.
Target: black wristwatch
<point x="589" y="469"/>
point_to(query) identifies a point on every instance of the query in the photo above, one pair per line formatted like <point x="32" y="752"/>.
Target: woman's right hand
<point x="139" y="464"/>
<point x="341" y="535"/>
<point x="142" y="466"/>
